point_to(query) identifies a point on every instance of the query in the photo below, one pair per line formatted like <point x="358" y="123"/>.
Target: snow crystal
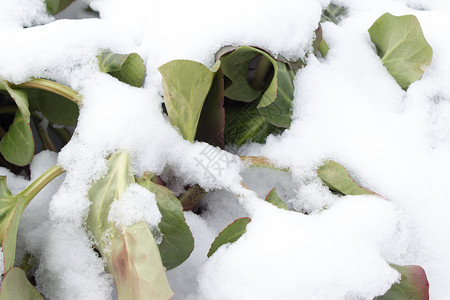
<point x="136" y="204"/>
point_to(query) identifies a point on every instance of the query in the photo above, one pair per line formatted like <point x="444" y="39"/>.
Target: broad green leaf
<point x="244" y="124"/>
<point x="131" y="253"/>
<point x="337" y="179"/>
<point x="279" y="111"/>
<point x="402" y="47"/>
<point x="333" y="13"/>
<point x="56" y="6"/>
<point x="276" y="100"/>
<point x="17" y="146"/>
<point x="186" y="84"/>
<point x="177" y="242"/>
<point x="55" y="108"/>
<point x="128" y="68"/>
<point x="235" y="67"/>
<point x="15" y="286"/>
<point x="412" y="286"/>
<point x="211" y="124"/>
<point x="19" y="96"/>
<point x="273" y="198"/>
<point x="230" y="234"/>
<point x="192" y="197"/>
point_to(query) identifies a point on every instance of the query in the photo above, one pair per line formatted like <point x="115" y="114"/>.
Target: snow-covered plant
<point x="135" y="217"/>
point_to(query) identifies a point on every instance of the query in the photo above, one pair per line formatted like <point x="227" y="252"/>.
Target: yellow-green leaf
<point x="131" y="253"/>
<point x="128" y="68"/>
<point x="402" y="47"/>
<point x="186" y="84"/>
<point x="337" y="179"/>
<point x="15" y="286"/>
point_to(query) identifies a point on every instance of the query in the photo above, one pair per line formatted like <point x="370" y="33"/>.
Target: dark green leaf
<point x="273" y="198"/>
<point x="186" y="85"/>
<point x="337" y="179"/>
<point x="15" y="286"/>
<point x="128" y="68"/>
<point x="177" y="243"/>
<point x="230" y="234"/>
<point x="56" y="6"/>
<point x="279" y="111"/>
<point x="402" y="47"/>
<point x="333" y="13"/>
<point x="17" y="146"/>
<point x="211" y="124"/>
<point x="55" y="108"/>
<point x="412" y="286"/>
<point x="131" y="253"/>
<point x="243" y="124"/>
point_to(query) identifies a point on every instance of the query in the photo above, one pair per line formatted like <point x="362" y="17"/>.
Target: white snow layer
<point x="347" y="108"/>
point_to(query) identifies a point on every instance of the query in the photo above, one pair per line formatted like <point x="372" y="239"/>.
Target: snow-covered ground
<point x="347" y="107"/>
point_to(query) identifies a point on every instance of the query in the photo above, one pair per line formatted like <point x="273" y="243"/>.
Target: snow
<point x="347" y="108"/>
<point x="136" y="204"/>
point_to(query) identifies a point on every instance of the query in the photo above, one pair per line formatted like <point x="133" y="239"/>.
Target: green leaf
<point x="56" y="6"/>
<point x="192" y="197"/>
<point x="17" y="146"/>
<point x="230" y="234"/>
<point x="337" y="179"/>
<point x="333" y="13"/>
<point x="55" y="108"/>
<point x="243" y="124"/>
<point x="412" y="286"/>
<point x="128" y="68"/>
<point x="19" y="96"/>
<point x="235" y="67"/>
<point x="278" y="112"/>
<point x="273" y="198"/>
<point x="211" y="124"/>
<point x="15" y="286"/>
<point x="177" y="242"/>
<point x="186" y="84"/>
<point x="402" y="47"/>
<point x="276" y="100"/>
<point x="131" y="253"/>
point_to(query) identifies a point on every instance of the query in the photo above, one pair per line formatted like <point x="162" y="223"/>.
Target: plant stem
<point x="62" y="132"/>
<point x="323" y="48"/>
<point x="43" y="133"/>
<point x="8" y="109"/>
<point x="53" y="87"/>
<point x="261" y="162"/>
<point x="36" y="186"/>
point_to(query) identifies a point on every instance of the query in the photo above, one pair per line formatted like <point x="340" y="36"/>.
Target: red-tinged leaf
<point x="211" y="124"/>
<point x="413" y="285"/>
<point x="230" y="234"/>
<point x="336" y="177"/>
<point x="192" y="197"/>
<point x="274" y="199"/>
<point x="15" y="286"/>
